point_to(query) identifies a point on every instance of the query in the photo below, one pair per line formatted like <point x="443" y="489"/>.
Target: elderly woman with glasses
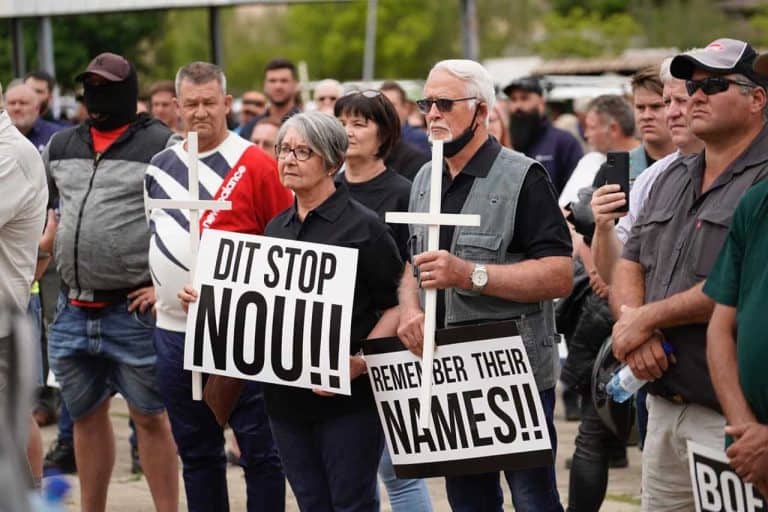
<point x="331" y="444"/>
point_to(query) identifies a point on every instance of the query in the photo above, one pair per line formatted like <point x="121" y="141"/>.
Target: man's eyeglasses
<point x="323" y="99"/>
<point x="713" y="85"/>
<point x="300" y="153"/>
<point x="443" y="104"/>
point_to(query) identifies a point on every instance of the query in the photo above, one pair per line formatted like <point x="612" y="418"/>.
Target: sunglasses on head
<point x="367" y="93"/>
<point x="443" y="104"/>
<point x="713" y="85"/>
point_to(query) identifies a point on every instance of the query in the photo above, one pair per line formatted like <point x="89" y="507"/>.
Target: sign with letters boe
<point x="272" y="310"/>
<point x="485" y="412"/>
<point x="716" y="486"/>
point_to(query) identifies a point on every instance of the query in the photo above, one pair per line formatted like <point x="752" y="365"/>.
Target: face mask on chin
<point x="523" y="128"/>
<point x="454" y="146"/>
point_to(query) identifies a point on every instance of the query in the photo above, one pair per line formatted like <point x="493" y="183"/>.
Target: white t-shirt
<point x="639" y="193"/>
<point x="22" y="214"/>
<point x="582" y="176"/>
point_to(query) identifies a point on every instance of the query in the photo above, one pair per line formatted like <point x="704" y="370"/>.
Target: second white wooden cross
<point x="195" y="205"/>
<point x="433" y="219"/>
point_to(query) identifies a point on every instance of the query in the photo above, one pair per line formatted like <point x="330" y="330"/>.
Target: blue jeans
<point x="533" y="490"/>
<point x="405" y="494"/>
<point x="200" y="439"/>
<point x="35" y="312"/>
<point x="95" y="352"/>
<point x="331" y="464"/>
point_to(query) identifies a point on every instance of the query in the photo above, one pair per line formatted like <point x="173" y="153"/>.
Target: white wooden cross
<point x="433" y="219"/>
<point x="194" y="205"/>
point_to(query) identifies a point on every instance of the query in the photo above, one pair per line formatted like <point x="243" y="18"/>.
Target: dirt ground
<point x="129" y="493"/>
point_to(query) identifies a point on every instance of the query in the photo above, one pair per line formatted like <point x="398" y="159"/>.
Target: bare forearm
<point x="628" y="287"/>
<point x="387" y="324"/>
<point x="689" y="307"/>
<point x="723" y="366"/>
<point x="531" y="280"/>
<point x="408" y="292"/>
<point x="606" y="251"/>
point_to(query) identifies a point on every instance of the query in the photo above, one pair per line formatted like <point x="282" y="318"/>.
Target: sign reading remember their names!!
<point x="272" y="310"/>
<point x="716" y="486"/>
<point x="486" y="414"/>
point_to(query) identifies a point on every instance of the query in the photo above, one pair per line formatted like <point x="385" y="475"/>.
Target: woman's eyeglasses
<point x="713" y="85"/>
<point x="300" y="153"/>
<point x="443" y="104"/>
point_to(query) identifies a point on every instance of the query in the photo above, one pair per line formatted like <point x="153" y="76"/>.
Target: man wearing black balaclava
<point x="101" y="340"/>
<point x="533" y="134"/>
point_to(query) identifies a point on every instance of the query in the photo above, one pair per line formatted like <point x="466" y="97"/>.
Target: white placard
<point x="485" y="412"/>
<point x="272" y="310"/>
<point x="716" y="486"/>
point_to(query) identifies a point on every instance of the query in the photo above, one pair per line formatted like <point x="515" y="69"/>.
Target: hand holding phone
<point x="617" y="172"/>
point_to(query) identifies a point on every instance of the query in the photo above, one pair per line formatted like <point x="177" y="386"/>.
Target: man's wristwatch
<point x="479" y="278"/>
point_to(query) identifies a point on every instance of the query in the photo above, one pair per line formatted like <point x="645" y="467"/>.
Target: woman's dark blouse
<point x="341" y="221"/>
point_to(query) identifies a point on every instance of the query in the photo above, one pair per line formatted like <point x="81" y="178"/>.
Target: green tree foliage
<point x="77" y="39"/>
<point x="582" y="33"/>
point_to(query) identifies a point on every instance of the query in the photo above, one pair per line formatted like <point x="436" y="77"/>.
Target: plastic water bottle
<point x="51" y="499"/>
<point x="624" y="384"/>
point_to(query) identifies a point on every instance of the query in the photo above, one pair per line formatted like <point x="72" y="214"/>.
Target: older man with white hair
<point x="510" y="268"/>
<point x="326" y="93"/>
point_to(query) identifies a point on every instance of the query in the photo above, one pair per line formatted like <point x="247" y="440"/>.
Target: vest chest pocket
<point x="709" y="236"/>
<point x="478" y="247"/>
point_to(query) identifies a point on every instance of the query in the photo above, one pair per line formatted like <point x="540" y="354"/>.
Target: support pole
<point x="19" y="59"/>
<point x="369" y="57"/>
<point x="214" y="29"/>
<point x="469" y="30"/>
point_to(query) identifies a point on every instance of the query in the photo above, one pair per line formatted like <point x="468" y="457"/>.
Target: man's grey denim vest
<point x="495" y="199"/>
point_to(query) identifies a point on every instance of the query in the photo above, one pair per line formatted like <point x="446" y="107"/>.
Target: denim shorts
<point x="97" y="352"/>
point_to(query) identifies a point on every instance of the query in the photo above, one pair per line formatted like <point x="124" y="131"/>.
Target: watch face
<point x="479" y="277"/>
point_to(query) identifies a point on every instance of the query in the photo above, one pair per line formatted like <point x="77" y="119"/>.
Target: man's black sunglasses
<point x="443" y="104"/>
<point x="713" y="85"/>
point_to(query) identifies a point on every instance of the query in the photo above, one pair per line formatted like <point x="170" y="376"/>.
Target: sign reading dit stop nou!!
<point x="272" y="310"/>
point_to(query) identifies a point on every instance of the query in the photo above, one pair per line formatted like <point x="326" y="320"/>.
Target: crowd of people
<point x="668" y="278"/>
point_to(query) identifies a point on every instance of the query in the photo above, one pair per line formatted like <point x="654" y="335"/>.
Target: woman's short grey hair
<point x="477" y="79"/>
<point x="323" y="133"/>
<point x="200" y="73"/>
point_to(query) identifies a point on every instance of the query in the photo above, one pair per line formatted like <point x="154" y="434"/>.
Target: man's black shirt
<point x="341" y="221"/>
<point x="540" y="229"/>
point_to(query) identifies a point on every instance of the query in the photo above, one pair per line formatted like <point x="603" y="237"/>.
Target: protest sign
<point x="716" y="486"/>
<point x="272" y="310"/>
<point x="485" y="412"/>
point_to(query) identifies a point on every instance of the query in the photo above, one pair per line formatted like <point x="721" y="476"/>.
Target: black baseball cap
<point x="528" y="83"/>
<point x="109" y="66"/>
<point x="721" y="56"/>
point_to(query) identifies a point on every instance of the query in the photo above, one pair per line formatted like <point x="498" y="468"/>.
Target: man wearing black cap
<point x="657" y="284"/>
<point x="532" y="132"/>
<point x="101" y="340"/>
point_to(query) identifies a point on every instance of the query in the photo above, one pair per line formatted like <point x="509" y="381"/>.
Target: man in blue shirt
<point x="23" y="107"/>
<point x="532" y="132"/>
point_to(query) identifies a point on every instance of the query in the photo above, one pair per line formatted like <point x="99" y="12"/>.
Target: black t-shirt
<point x="540" y="229"/>
<point x="387" y="192"/>
<point x="341" y="221"/>
<point x="406" y="159"/>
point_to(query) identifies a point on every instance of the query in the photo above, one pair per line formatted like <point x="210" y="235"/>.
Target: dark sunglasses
<point x="326" y="98"/>
<point x="713" y="85"/>
<point x="443" y="104"/>
<point x="255" y="103"/>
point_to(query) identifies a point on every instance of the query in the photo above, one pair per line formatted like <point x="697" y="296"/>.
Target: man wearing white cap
<point x="657" y="284"/>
